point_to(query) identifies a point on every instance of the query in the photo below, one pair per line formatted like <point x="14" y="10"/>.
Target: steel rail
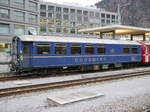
<point x="36" y="75"/>
<point x="46" y="86"/>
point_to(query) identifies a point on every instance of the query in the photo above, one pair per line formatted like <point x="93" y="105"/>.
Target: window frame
<point x="126" y="47"/>
<point x="46" y="45"/>
<point x="4" y="27"/>
<point x="73" y="46"/>
<point x="4" y="13"/>
<point x="33" y="6"/>
<point x="26" y="51"/>
<point x="104" y="49"/>
<point x="133" y="47"/>
<point x="63" y="45"/>
<point x="87" y="46"/>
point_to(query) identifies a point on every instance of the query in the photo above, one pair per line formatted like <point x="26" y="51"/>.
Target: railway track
<point x="39" y="87"/>
<point x="27" y="76"/>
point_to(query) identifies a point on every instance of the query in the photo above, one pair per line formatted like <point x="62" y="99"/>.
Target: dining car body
<point x="51" y="52"/>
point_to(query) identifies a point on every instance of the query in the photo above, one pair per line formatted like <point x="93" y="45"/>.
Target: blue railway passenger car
<point x="52" y="52"/>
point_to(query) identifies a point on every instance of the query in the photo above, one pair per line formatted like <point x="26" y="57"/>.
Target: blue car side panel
<point x="65" y="61"/>
<point x="114" y="54"/>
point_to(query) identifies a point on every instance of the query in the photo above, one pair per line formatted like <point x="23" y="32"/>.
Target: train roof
<point x="32" y="38"/>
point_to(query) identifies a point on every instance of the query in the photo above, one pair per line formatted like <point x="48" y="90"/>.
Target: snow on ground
<point x="125" y="95"/>
<point x="4" y="68"/>
<point x="4" y="58"/>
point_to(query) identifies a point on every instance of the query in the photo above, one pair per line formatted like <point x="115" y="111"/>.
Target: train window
<point x="134" y="49"/>
<point x="101" y="49"/>
<point x="43" y="48"/>
<point x="75" y="49"/>
<point x="60" y="49"/>
<point x="89" y="49"/>
<point x="126" y="50"/>
<point x="25" y="48"/>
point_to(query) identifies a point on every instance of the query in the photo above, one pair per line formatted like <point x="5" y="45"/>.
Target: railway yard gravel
<point x="124" y="95"/>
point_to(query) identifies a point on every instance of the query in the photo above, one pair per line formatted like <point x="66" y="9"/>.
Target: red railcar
<point x="145" y="52"/>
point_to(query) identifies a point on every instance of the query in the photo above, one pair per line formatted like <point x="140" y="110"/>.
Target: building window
<point x="126" y="50"/>
<point x="19" y="16"/>
<point x="43" y="14"/>
<point x="108" y="15"/>
<point x="4" y="13"/>
<point x="85" y="19"/>
<point x="19" y="3"/>
<point x="65" y="30"/>
<point x="43" y="21"/>
<point x="43" y="28"/>
<point x="32" y="6"/>
<point x="66" y="17"/>
<point x="72" y="24"/>
<point x="4" y="2"/>
<point x="58" y="22"/>
<point x="58" y="16"/>
<point x="60" y="49"/>
<point x="32" y="31"/>
<point x="134" y="49"/>
<point x="19" y="30"/>
<point x="113" y="16"/>
<point x="91" y="24"/>
<point x="117" y="17"/>
<point x="79" y="11"/>
<point x="73" y="17"/>
<point x="58" y="30"/>
<point x="103" y="21"/>
<point x="26" y="48"/>
<point x="113" y="22"/>
<point x="89" y="49"/>
<point x="50" y="15"/>
<point x="97" y="15"/>
<point x="72" y="31"/>
<point x="72" y="11"/>
<point x="65" y="23"/>
<point x="43" y="48"/>
<point x="85" y="13"/>
<point x="103" y="15"/>
<point x="32" y="19"/>
<point x="108" y="21"/>
<point x="92" y="14"/>
<point x="58" y="9"/>
<point x="79" y="19"/>
<point x="51" y="21"/>
<point x="101" y="49"/>
<point x="50" y="29"/>
<point x="75" y="49"/>
<point x="43" y="7"/>
<point x="65" y="10"/>
<point x="51" y="8"/>
<point x="4" y="29"/>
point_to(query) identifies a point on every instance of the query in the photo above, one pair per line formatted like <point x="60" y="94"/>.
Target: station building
<point x="18" y="17"/>
<point x="67" y="19"/>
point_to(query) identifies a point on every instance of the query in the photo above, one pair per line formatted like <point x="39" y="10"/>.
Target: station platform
<point x="19" y="83"/>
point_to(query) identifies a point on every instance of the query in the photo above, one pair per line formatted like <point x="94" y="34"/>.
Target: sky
<point x="82" y="2"/>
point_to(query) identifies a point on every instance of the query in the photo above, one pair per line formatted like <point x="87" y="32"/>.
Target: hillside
<point x="136" y="13"/>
